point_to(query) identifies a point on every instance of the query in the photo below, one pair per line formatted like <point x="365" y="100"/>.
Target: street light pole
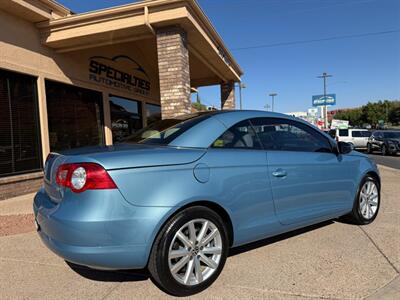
<point x="325" y="76"/>
<point x="273" y="99"/>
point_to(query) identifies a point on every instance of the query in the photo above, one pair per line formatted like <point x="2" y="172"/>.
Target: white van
<point x="357" y="137"/>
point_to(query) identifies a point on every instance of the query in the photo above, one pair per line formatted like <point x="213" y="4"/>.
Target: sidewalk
<point x="16" y="215"/>
<point x="21" y="205"/>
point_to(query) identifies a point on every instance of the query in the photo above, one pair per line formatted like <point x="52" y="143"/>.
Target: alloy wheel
<point x="369" y="200"/>
<point x="195" y="252"/>
<point x="383" y="150"/>
<point x="369" y="148"/>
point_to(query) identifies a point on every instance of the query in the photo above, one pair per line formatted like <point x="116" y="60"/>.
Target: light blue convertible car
<point x="177" y="195"/>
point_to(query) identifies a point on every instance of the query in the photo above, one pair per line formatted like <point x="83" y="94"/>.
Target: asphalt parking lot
<point x="332" y="260"/>
<point x="392" y="161"/>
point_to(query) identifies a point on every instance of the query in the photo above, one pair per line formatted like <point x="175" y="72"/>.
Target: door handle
<point x="279" y="173"/>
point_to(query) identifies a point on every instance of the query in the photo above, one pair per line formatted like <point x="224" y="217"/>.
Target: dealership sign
<point x="322" y="100"/>
<point x="121" y="72"/>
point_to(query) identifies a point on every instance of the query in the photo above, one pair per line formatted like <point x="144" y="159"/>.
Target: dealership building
<point x="72" y="80"/>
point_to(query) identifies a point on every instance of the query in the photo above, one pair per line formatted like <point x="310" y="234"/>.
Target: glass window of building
<point x="19" y="124"/>
<point x="153" y="113"/>
<point x="75" y="116"/>
<point x="126" y="117"/>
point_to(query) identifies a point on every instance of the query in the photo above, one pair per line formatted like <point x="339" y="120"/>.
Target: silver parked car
<point x="358" y="138"/>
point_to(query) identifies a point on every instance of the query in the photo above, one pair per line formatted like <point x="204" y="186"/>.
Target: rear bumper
<point x="98" y="229"/>
<point x="103" y="258"/>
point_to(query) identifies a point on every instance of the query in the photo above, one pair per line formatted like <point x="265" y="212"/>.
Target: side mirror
<point x="345" y="148"/>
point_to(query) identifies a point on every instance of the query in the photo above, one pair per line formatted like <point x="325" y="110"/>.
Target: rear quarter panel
<point x="158" y="186"/>
<point x="240" y="186"/>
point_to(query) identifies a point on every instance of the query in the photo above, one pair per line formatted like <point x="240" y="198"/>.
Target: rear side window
<point x="239" y="136"/>
<point x="358" y="133"/>
<point x="343" y="132"/>
<point x="288" y="135"/>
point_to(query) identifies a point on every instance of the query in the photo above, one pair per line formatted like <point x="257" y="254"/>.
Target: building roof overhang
<point x="35" y="10"/>
<point x="139" y="21"/>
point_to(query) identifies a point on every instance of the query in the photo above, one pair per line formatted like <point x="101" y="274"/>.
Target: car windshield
<point x="391" y="135"/>
<point x="165" y="131"/>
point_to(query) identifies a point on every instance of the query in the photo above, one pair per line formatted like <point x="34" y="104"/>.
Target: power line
<point x="342" y="37"/>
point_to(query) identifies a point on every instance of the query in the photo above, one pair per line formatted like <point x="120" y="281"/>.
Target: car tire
<point x="384" y="150"/>
<point x="170" y="274"/>
<point x="367" y="202"/>
<point x="369" y="148"/>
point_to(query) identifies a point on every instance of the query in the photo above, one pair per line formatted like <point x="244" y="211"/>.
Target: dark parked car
<point x="387" y="142"/>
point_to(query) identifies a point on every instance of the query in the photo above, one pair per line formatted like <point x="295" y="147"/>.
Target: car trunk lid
<point x="122" y="156"/>
<point x="125" y="156"/>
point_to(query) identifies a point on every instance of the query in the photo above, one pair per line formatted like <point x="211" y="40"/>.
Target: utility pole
<point x="325" y="107"/>
<point x="267" y="106"/>
<point x="273" y="99"/>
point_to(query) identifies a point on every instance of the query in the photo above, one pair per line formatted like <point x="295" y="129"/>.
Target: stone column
<point x="174" y="72"/>
<point x="228" y="95"/>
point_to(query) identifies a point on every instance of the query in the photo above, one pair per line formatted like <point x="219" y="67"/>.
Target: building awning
<point x="35" y="10"/>
<point x="210" y="61"/>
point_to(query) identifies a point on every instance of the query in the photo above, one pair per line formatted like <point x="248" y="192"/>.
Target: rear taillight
<point x="84" y="176"/>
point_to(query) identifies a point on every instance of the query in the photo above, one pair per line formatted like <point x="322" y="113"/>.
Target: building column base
<point x="228" y="96"/>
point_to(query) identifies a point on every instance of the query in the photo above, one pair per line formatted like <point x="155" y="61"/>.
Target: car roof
<point x="203" y="134"/>
<point x="383" y="131"/>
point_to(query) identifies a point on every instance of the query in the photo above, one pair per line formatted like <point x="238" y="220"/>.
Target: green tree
<point x="199" y="106"/>
<point x="351" y="115"/>
<point x="372" y="113"/>
<point x="394" y="114"/>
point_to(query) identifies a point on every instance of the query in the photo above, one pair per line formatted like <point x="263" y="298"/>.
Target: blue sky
<point x="365" y="68"/>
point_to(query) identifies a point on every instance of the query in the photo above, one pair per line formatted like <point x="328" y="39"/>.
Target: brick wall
<point x="174" y="72"/>
<point x="228" y="95"/>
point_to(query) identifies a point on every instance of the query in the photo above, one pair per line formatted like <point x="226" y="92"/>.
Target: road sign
<point x="321" y="100"/>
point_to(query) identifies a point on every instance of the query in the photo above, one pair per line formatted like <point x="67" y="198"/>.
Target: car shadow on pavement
<point x="275" y="239"/>
<point x="109" y="276"/>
